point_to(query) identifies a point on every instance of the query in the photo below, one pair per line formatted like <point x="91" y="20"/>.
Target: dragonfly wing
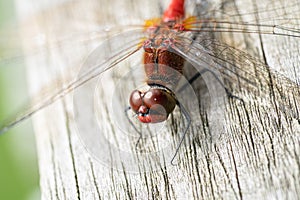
<point x="16" y="46"/>
<point x="109" y="53"/>
<point x="269" y="18"/>
<point x="240" y="73"/>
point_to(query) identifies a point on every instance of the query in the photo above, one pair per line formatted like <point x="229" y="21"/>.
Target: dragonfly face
<point x="154" y="105"/>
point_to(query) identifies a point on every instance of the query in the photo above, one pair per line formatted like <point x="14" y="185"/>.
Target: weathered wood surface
<point x="255" y="151"/>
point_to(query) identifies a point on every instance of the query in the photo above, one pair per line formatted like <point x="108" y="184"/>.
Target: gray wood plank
<point x="248" y="151"/>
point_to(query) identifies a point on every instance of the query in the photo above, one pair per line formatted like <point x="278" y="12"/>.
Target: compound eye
<point x="135" y="100"/>
<point x="160" y="97"/>
<point x="154" y="96"/>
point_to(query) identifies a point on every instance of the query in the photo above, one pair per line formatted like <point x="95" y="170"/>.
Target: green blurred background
<point x="19" y="178"/>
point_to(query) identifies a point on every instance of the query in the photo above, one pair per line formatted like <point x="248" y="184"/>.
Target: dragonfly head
<point x="152" y="106"/>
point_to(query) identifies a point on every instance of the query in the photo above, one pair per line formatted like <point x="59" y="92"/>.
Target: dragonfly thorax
<point x="163" y="66"/>
<point x="162" y="38"/>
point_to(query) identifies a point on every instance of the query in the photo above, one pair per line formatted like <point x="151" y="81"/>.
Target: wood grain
<point x="252" y="152"/>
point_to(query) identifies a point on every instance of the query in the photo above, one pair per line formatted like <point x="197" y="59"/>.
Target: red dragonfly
<point x="168" y="43"/>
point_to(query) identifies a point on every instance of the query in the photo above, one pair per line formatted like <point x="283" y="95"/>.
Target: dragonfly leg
<point x="188" y="118"/>
<point x="186" y="114"/>
<point x="131" y="123"/>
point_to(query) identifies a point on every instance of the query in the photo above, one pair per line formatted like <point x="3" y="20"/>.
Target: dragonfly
<point x="166" y="43"/>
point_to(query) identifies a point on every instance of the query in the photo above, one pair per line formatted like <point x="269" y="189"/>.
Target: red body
<point x="163" y="69"/>
<point x="175" y="11"/>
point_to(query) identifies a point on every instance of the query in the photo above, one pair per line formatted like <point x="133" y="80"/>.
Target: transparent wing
<point x="280" y="21"/>
<point x="218" y="17"/>
<point x="58" y="25"/>
<point x="105" y="56"/>
<point x="269" y="17"/>
<point x="240" y="73"/>
<point x="12" y="42"/>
